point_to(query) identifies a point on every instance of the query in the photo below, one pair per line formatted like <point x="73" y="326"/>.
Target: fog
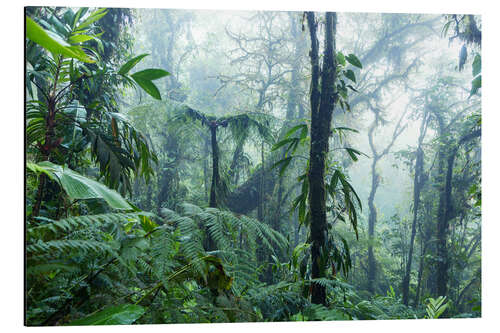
<point x="253" y="165"/>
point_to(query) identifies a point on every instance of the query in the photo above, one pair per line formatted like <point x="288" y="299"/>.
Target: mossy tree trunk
<point x="215" y="166"/>
<point x="418" y="183"/>
<point x="214" y="188"/>
<point x="322" y="105"/>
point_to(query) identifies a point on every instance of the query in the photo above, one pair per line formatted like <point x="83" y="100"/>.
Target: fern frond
<point x="68" y="246"/>
<point x="72" y="223"/>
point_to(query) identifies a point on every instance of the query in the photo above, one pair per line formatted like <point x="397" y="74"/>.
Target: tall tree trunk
<point x="445" y="214"/>
<point x="372" y="218"/>
<point x="49" y="144"/>
<point x="372" y="214"/>
<point x="418" y="183"/>
<point x="214" y="188"/>
<point x="235" y="163"/>
<point x="419" y="276"/>
<point x="322" y="106"/>
<point x="260" y="208"/>
<point x="215" y="167"/>
<point x="205" y="169"/>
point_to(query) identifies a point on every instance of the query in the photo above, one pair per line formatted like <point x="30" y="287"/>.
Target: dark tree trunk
<point x="205" y="169"/>
<point x="260" y="208"/>
<point x="445" y="214"/>
<point x="372" y="218"/>
<point x="235" y="164"/>
<point x="419" y="277"/>
<point x="47" y="147"/>
<point x="214" y="188"/>
<point x="418" y="183"/>
<point x="372" y="214"/>
<point x="215" y="167"/>
<point x="442" y="232"/>
<point x="322" y="106"/>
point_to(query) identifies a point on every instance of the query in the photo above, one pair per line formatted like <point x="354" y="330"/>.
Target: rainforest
<point x="202" y="166"/>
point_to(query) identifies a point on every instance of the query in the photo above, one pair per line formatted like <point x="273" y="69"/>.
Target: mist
<point x="327" y="166"/>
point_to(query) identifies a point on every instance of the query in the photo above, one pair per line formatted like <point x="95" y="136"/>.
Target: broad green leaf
<point x="350" y="75"/>
<point x="124" y="314"/>
<point x="79" y="38"/>
<point x="353" y="152"/>
<point x="476" y="65"/>
<point x="95" y="16"/>
<point x="148" y="87"/>
<point x="80" y="187"/>
<point x="341" y="58"/>
<point x="284" y="164"/>
<point x="80" y="13"/>
<point x="476" y="85"/>
<point x="38" y="35"/>
<point x="353" y="60"/>
<point x="462" y="57"/>
<point x="150" y="74"/>
<point x="282" y="143"/>
<point x="131" y="63"/>
<point x="296" y="128"/>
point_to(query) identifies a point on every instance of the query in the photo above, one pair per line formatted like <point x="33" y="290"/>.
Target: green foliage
<point x="436" y="307"/>
<point x="75" y="106"/>
<point x="55" y="45"/>
<point x="93" y="257"/>
<point x="353" y="60"/>
<point x="145" y="77"/>
<point x="124" y="314"/>
<point x="78" y="187"/>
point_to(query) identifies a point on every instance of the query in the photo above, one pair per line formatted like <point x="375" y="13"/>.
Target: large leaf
<point x="51" y="43"/>
<point x="353" y="60"/>
<point x="150" y="74"/>
<point x="95" y="16"/>
<point x="340" y="58"/>
<point x="77" y="186"/>
<point x="350" y="75"/>
<point x="148" y="87"/>
<point x="79" y="38"/>
<point x="124" y="314"/>
<point x="131" y="63"/>
<point x="476" y="85"/>
<point x="476" y="65"/>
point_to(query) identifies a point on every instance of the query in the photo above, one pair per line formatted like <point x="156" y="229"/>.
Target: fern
<point x="436" y="307"/>
<point x="70" y="224"/>
<point x="67" y="246"/>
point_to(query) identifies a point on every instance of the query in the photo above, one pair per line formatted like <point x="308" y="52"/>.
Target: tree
<point x="333" y="90"/>
<point x="418" y="183"/>
<point x="375" y="182"/>
<point x="54" y="117"/>
<point x="238" y="124"/>
<point x="322" y="104"/>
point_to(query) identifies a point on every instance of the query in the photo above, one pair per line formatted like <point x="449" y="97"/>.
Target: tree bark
<point x="215" y="167"/>
<point x="418" y="183"/>
<point x="372" y="214"/>
<point x="372" y="218"/>
<point x="322" y="106"/>
<point x="214" y="188"/>
<point x="445" y="214"/>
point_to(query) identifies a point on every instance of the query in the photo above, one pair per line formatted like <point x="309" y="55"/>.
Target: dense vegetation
<point x="283" y="166"/>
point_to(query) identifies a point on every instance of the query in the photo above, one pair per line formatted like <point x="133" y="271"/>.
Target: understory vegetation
<point x="282" y="166"/>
